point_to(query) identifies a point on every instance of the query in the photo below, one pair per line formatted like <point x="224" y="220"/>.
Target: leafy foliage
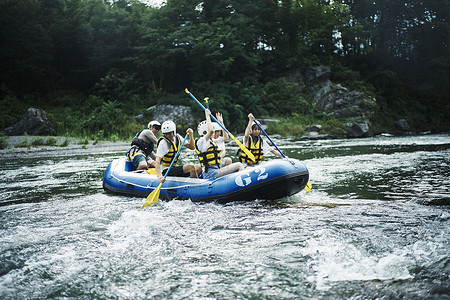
<point x="295" y="125"/>
<point x="11" y="110"/>
<point x="3" y="141"/>
<point x="93" y="63"/>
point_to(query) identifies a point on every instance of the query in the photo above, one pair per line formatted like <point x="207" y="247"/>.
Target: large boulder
<point x="402" y="126"/>
<point x="181" y="115"/>
<point x="357" y="130"/>
<point x="333" y="99"/>
<point x="35" y="122"/>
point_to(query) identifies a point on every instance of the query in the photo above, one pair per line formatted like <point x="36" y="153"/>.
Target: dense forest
<point x="92" y="64"/>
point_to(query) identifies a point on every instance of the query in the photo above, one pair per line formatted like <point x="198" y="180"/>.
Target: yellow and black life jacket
<point x="142" y="145"/>
<point x="255" y="149"/>
<point x="210" y="157"/>
<point x="166" y="160"/>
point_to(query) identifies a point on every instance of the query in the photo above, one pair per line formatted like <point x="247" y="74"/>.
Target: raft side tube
<point x="268" y="181"/>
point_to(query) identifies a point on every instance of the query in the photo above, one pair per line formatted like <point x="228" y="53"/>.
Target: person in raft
<point x="141" y="153"/>
<point x="220" y="140"/>
<point x="208" y="152"/>
<point x="168" y="146"/>
<point x="255" y="143"/>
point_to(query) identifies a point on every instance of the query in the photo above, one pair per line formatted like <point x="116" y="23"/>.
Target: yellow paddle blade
<point x="243" y="148"/>
<point x="153" y="197"/>
<point x="308" y="186"/>
<point x="151" y="171"/>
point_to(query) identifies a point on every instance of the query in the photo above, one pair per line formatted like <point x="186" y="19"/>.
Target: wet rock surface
<point x="35" y="122"/>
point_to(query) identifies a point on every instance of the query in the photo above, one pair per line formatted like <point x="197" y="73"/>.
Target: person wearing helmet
<point x="255" y="143"/>
<point x="141" y="152"/>
<point x="168" y="146"/>
<point x="220" y="140"/>
<point x="208" y="152"/>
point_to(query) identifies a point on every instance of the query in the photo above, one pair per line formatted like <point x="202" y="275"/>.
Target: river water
<point x="374" y="226"/>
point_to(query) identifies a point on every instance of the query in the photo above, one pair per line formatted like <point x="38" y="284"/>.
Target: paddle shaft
<point x="243" y="148"/>
<point x="153" y="197"/>
<point x="204" y="108"/>
<point x="284" y="156"/>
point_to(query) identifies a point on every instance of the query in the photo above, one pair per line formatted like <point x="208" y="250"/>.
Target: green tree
<point x="25" y="45"/>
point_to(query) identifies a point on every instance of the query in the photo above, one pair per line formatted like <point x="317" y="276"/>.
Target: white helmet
<point x="216" y="126"/>
<point x="169" y="126"/>
<point x="202" y="128"/>
<point x="153" y="123"/>
<point x="257" y="123"/>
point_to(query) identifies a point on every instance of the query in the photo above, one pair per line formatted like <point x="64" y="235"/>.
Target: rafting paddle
<point x="153" y="197"/>
<point x="308" y="185"/>
<point x="243" y="148"/>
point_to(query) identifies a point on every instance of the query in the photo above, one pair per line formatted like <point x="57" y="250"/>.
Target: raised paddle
<point x="153" y="197"/>
<point x="243" y="148"/>
<point x="308" y="185"/>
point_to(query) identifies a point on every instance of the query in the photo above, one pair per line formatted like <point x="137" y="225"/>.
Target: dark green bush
<point x="11" y="111"/>
<point x="295" y="125"/>
<point x="65" y="143"/>
<point x="38" y="142"/>
<point x="106" y="120"/>
<point x="3" y="141"/>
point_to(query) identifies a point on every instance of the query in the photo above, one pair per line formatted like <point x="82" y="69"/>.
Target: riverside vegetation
<point x="93" y="65"/>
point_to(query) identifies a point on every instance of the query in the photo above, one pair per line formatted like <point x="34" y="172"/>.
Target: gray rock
<point x="384" y="134"/>
<point x="35" y="122"/>
<point x="181" y="115"/>
<point x="314" y="128"/>
<point x="317" y="74"/>
<point x="333" y="99"/>
<point x="402" y="125"/>
<point x="355" y="130"/>
<point x="139" y="117"/>
<point x="314" y="136"/>
<point x="265" y="122"/>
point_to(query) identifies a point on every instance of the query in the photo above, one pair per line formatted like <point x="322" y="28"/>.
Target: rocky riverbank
<point x="36" y="146"/>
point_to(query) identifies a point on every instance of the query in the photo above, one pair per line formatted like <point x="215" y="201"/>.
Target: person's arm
<point x="209" y="124"/>
<point x="274" y="151"/>
<point x="149" y="136"/>
<point x="163" y="149"/>
<point x="191" y="144"/>
<point x="267" y="148"/>
<point x="158" y="170"/>
<point x="248" y="130"/>
<point x="220" y="119"/>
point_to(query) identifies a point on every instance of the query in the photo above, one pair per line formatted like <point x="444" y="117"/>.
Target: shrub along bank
<point x="93" y="118"/>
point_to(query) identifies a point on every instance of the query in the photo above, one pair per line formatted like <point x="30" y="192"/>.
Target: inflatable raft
<point x="270" y="180"/>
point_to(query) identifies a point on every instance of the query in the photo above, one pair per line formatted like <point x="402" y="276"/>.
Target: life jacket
<point x="255" y="149"/>
<point x="166" y="160"/>
<point x="210" y="157"/>
<point x="142" y="145"/>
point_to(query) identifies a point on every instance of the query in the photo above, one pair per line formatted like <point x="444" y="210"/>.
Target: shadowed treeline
<point x="94" y="63"/>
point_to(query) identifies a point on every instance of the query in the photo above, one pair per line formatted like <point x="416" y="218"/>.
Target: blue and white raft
<point x="270" y="180"/>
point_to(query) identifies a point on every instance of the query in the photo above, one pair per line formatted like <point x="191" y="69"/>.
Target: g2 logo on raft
<point x="246" y="178"/>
